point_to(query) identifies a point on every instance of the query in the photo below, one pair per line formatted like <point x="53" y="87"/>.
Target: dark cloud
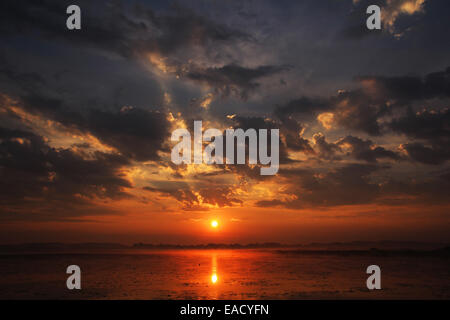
<point x="233" y="78"/>
<point x="346" y="185"/>
<point x="302" y="105"/>
<point x="395" y="19"/>
<point x="353" y="147"/>
<point x="356" y="111"/>
<point x="136" y="133"/>
<point x="362" y="108"/>
<point x="352" y="109"/>
<point x="357" y="184"/>
<point x="290" y="134"/>
<point x="123" y="28"/>
<point x="327" y="151"/>
<point x="366" y="150"/>
<point x="185" y="28"/>
<point x="407" y="88"/>
<point x="433" y="154"/>
<point x="34" y="174"/>
<point x="432" y="129"/>
<point x="188" y="42"/>
<point x="431" y="191"/>
<point x="358" y="31"/>
<point x="430" y="125"/>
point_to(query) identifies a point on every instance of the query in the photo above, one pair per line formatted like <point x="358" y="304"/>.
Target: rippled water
<point x="221" y="274"/>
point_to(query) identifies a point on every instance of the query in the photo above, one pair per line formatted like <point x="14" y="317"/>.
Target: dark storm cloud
<point x="114" y="26"/>
<point x="357" y="184"/>
<point x="345" y="185"/>
<point x="290" y="134"/>
<point x="183" y="28"/>
<point x="353" y="147"/>
<point x="34" y="174"/>
<point x="429" y="125"/>
<point x="360" y="109"/>
<point x="358" y="30"/>
<point x="302" y="105"/>
<point x="407" y="88"/>
<point x="233" y="78"/>
<point x="31" y="169"/>
<point x="432" y="191"/>
<point x="397" y="17"/>
<point x="135" y="132"/>
<point x="356" y="111"/>
<point x="366" y="150"/>
<point x="432" y="129"/>
<point x="292" y="130"/>
<point x="434" y="154"/>
<point x="326" y="150"/>
<point x="27" y="80"/>
<point x="353" y="110"/>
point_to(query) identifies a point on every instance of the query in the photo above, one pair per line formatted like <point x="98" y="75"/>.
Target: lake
<point x="223" y="274"/>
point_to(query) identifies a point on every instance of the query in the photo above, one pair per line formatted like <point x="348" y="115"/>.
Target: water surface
<point x="222" y="274"/>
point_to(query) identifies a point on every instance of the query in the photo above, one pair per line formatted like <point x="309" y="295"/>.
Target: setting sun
<point x="214" y="224"/>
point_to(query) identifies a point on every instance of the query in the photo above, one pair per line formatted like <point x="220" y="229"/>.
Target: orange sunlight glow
<point x="214" y="224"/>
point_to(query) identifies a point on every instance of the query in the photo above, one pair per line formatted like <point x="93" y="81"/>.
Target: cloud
<point x="61" y="180"/>
<point x="346" y="185"/>
<point x="353" y="184"/>
<point x="432" y="191"/>
<point x="353" y="147"/>
<point x="233" y="78"/>
<point x="434" y="154"/>
<point x="291" y="138"/>
<point x="327" y="151"/>
<point x="366" y="150"/>
<point x="136" y="133"/>
<point x="432" y="128"/>
<point x="118" y="27"/>
<point x="376" y="97"/>
<point x="408" y="88"/>
<point x="396" y="8"/>
<point x="391" y="12"/>
<point x="302" y="105"/>
<point x="350" y="109"/>
<point x="71" y="80"/>
<point x="430" y="125"/>
<point x="197" y="198"/>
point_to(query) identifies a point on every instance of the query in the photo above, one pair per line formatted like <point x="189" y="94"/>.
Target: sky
<point x="86" y="118"/>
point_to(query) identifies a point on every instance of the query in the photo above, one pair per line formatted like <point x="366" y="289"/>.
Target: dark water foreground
<point x="226" y="274"/>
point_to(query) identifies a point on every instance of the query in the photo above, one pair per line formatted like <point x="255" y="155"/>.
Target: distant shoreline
<point x="356" y="247"/>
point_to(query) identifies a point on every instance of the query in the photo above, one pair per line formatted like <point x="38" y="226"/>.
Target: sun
<point x="214" y="224"/>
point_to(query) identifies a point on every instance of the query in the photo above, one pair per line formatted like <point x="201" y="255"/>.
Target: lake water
<point x="222" y="274"/>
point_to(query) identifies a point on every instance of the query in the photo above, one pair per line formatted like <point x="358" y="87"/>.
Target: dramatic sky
<point x="86" y="118"/>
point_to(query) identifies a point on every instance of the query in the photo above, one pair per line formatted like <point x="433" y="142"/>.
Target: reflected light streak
<point x="214" y="276"/>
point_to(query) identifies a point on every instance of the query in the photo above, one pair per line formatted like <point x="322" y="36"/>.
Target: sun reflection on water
<point x="214" y="276"/>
